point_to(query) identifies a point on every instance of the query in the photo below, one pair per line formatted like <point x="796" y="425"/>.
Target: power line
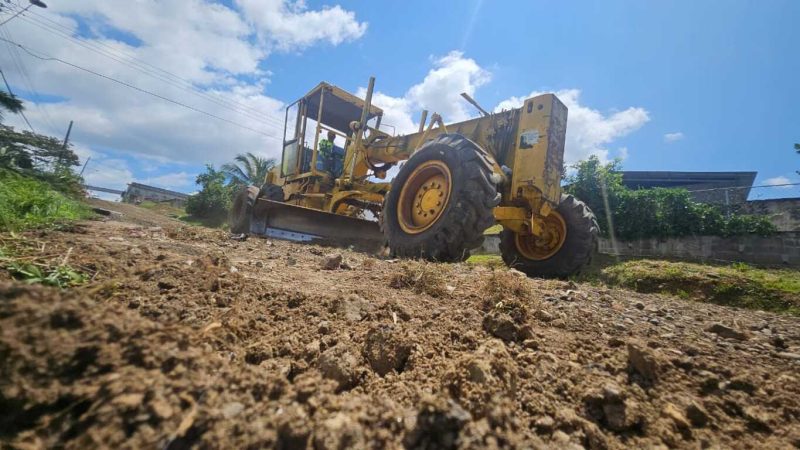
<point x="21" y="113"/>
<point x="147" y="68"/>
<point x="136" y="88"/>
<point x="16" y="59"/>
<point x="745" y="187"/>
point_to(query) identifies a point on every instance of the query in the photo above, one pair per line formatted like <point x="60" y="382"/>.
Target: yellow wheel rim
<point x="424" y="197"/>
<point x="548" y="244"/>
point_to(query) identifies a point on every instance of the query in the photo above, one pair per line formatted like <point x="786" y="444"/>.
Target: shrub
<point x="658" y="212"/>
<point x="28" y="203"/>
<point x="213" y="202"/>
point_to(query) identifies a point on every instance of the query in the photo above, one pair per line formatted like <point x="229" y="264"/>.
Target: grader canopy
<point x="455" y="181"/>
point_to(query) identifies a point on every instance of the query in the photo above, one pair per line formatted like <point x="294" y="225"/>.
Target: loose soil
<point x="187" y="338"/>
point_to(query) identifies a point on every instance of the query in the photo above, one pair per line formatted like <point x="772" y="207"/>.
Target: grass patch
<point x="740" y="285"/>
<point x="163" y="208"/>
<point x="422" y="277"/>
<point x="486" y="260"/>
<point x="29" y="203"/>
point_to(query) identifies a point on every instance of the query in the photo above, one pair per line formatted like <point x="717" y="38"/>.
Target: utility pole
<point x="64" y="145"/>
<point x="84" y="166"/>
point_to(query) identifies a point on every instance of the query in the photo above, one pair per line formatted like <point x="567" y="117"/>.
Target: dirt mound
<point x="190" y="339"/>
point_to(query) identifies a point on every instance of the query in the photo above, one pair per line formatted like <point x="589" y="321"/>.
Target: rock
<point x="339" y="365"/>
<point x="161" y="408"/>
<point x="517" y="273"/>
<point x="290" y="261"/>
<point x="238" y="237"/>
<point x="680" y="421"/>
<point x="501" y="325"/>
<point x="438" y="425"/>
<point x="352" y="308"/>
<point x="386" y="349"/>
<point x="697" y="414"/>
<point x="339" y="432"/>
<point x="544" y="316"/>
<point x="544" y="424"/>
<point x="643" y="362"/>
<point x="788" y="355"/>
<point x="757" y="420"/>
<point x="332" y="261"/>
<point x="611" y="409"/>
<point x="324" y="327"/>
<point x="232" y="409"/>
<point x="639" y="306"/>
<point x="727" y="332"/>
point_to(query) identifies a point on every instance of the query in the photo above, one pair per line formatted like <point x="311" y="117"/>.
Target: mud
<point x="187" y="338"/>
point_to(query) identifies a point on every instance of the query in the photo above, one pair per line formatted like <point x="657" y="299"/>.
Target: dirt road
<point x="185" y="338"/>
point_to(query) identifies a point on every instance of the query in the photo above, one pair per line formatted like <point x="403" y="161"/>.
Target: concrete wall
<point x="781" y="249"/>
<point x="783" y="212"/>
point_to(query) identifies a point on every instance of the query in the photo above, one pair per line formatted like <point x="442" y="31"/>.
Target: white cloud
<point x="440" y="91"/>
<point x="205" y="47"/>
<point x="622" y="153"/>
<point x="290" y="25"/>
<point x="673" y="137"/>
<point x="589" y="131"/>
<point x="176" y="181"/>
<point x="777" y="181"/>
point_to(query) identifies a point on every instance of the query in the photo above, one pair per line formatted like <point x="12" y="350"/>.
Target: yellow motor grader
<point x="453" y="182"/>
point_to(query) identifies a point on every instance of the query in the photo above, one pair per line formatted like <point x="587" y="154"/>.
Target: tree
<point x="248" y="169"/>
<point x="9" y="102"/>
<point x="213" y="201"/>
<point x="28" y="150"/>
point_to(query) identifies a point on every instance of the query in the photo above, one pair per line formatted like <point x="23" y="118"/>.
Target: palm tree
<point x="248" y="169"/>
<point x="9" y="102"/>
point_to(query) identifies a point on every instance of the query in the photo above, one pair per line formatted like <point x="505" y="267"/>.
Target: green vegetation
<point x="486" y="260"/>
<point x="658" y="212"/>
<point x="210" y="206"/>
<point x="33" y="270"/>
<point x="31" y="203"/>
<point x="740" y="285"/>
<point x="248" y="169"/>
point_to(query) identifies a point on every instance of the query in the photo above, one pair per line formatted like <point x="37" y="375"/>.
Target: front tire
<point x="242" y="209"/>
<point x="441" y="201"/>
<point x="576" y="252"/>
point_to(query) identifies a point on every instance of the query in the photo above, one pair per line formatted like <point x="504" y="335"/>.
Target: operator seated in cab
<point x="331" y="156"/>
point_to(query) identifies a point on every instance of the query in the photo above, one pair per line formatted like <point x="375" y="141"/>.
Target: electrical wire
<point x="21" y="113"/>
<point x="16" y="59"/>
<point x="131" y="86"/>
<point x="135" y="63"/>
<point x="745" y="187"/>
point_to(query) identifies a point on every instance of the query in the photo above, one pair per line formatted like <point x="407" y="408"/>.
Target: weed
<point x="62" y="276"/>
<point x="29" y="203"/>
<point x="422" y="277"/>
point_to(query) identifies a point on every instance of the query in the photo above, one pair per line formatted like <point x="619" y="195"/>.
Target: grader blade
<point x="297" y="223"/>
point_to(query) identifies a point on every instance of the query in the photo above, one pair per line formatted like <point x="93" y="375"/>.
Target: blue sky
<point x="678" y="85"/>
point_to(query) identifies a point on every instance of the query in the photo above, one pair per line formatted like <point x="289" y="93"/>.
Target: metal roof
<point x="339" y="106"/>
<point x="649" y="179"/>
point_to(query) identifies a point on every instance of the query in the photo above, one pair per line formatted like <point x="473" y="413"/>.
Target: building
<point x="137" y="193"/>
<point x="722" y="188"/>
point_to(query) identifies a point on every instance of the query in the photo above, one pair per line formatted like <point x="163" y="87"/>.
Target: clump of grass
<point x="486" y="260"/>
<point x="62" y="276"/>
<point x="507" y="292"/>
<point x="29" y="203"/>
<point x="740" y="285"/>
<point x="422" y="277"/>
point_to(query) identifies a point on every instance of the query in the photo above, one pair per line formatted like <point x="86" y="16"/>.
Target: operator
<point x="326" y="152"/>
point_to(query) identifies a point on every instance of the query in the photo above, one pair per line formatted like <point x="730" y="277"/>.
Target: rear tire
<point x="242" y="209"/>
<point x="459" y="223"/>
<point x="576" y="253"/>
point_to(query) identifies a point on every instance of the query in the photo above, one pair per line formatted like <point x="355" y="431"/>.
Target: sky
<point x="680" y="85"/>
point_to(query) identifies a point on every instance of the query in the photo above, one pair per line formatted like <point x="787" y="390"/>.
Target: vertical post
<point x="314" y="152"/>
<point x="356" y="147"/>
<point x="64" y="145"/>
<point x="84" y="166"/>
<point x="422" y="120"/>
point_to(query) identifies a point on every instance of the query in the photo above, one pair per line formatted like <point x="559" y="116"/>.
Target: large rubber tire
<point x="242" y="209"/>
<point x="467" y="213"/>
<point x="271" y="191"/>
<point x="579" y="246"/>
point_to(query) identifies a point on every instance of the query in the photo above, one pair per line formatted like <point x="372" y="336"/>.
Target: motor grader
<point x="451" y="182"/>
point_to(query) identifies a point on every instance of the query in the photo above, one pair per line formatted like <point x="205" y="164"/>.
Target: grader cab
<point x="454" y="181"/>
